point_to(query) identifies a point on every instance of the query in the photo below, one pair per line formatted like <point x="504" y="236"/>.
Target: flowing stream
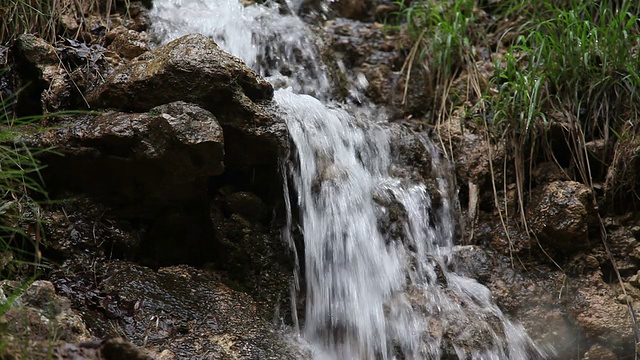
<point x="377" y="252"/>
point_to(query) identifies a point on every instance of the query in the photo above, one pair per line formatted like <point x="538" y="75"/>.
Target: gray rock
<point x="195" y="70"/>
<point x="474" y="262"/>
<point x="547" y="172"/>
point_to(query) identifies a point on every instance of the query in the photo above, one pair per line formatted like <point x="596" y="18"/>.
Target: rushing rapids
<point x="370" y="293"/>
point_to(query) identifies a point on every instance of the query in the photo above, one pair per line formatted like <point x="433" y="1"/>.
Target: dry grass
<point x="50" y="19"/>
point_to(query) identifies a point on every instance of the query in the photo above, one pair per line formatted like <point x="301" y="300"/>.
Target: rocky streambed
<point x="164" y="236"/>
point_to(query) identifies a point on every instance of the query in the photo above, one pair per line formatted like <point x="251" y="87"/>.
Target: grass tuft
<point x="559" y="67"/>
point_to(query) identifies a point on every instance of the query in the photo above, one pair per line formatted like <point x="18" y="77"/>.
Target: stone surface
<point x="53" y="78"/>
<point x="599" y="352"/>
<point x="37" y="319"/>
<point x="128" y="43"/>
<point x="622" y="183"/>
<point x="177" y="311"/>
<point x="195" y="70"/>
<point x="371" y="58"/>
<point x="166" y="152"/>
<point x="246" y="204"/>
<point x="80" y="230"/>
<point x="192" y="68"/>
<point x="36" y="51"/>
<point x="561" y="214"/>
<point x="547" y="172"/>
<point x="471" y="151"/>
<point x="473" y="262"/>
<point x="600" y="316"/>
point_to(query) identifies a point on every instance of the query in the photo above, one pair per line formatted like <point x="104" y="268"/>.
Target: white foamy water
<point x="376" y="250"/>
<point x="279" y="47"/>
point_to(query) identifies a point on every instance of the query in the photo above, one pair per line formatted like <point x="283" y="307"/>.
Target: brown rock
<point x="246" y="204"/>
<point x="42" y="315"/>
<point x="37" y="51"/>
<point x="128" y="43"/>
<point x="192" y="68"/>
<point x="160" y="157"/>
<point x="547" y="172"/>
<point x="599" y="352"/>
<point x="188" y="311"/>
<point x="561" y="215"/>
<point x="119" y="349"/>
<point x="471" y="150"/>
<point x="602" y="318"/>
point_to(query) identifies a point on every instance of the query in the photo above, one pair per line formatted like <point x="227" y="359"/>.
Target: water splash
<point x="269" y="38"/>
<point x="378" y="241"/>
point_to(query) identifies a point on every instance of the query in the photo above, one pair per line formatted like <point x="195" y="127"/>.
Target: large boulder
<point x="192" y="68"/>
<point x="145" y="159"/>
<point x="561" y="214"/>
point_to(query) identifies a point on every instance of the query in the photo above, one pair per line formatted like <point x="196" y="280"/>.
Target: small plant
<point x="20" y="187"/>
<point x="443" y="36"/>
<point x="575" y="63"/>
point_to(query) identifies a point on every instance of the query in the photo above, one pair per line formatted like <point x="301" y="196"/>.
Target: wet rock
<point x="7" y="77"/>
<point x="367" y="52"/>
<point x="168" y="152"/>
<point x="55" y="77"/>
<point x="128" y="43"/>
<point x="621" y="180"/>
<point x="561" y="214"/>
<point x="412" y="150"/>
<point x="87" y="65"/>
<point x="622" y="243"/>
<point x="390" y="214"/>
<point x="44" y="80"/>
<point x="240" y="242"/>
<point x="473" y="262"/>
<point x="537" y="299"/>
<point x="139" y="16"/>
<point x="112" y="349"/>
<point x="192" y="68"/>
<point x="457" y="333"/>
<point x="472" y="153"/>
<point x="80" y="230"/>
<point x="354" y="9"/>
<point x="184" y="311"/>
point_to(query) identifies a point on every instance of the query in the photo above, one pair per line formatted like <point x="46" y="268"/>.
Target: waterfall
<point x="377" y="251"/>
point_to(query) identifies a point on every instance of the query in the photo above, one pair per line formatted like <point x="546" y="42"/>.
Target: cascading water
<point x="374" y="290"/>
